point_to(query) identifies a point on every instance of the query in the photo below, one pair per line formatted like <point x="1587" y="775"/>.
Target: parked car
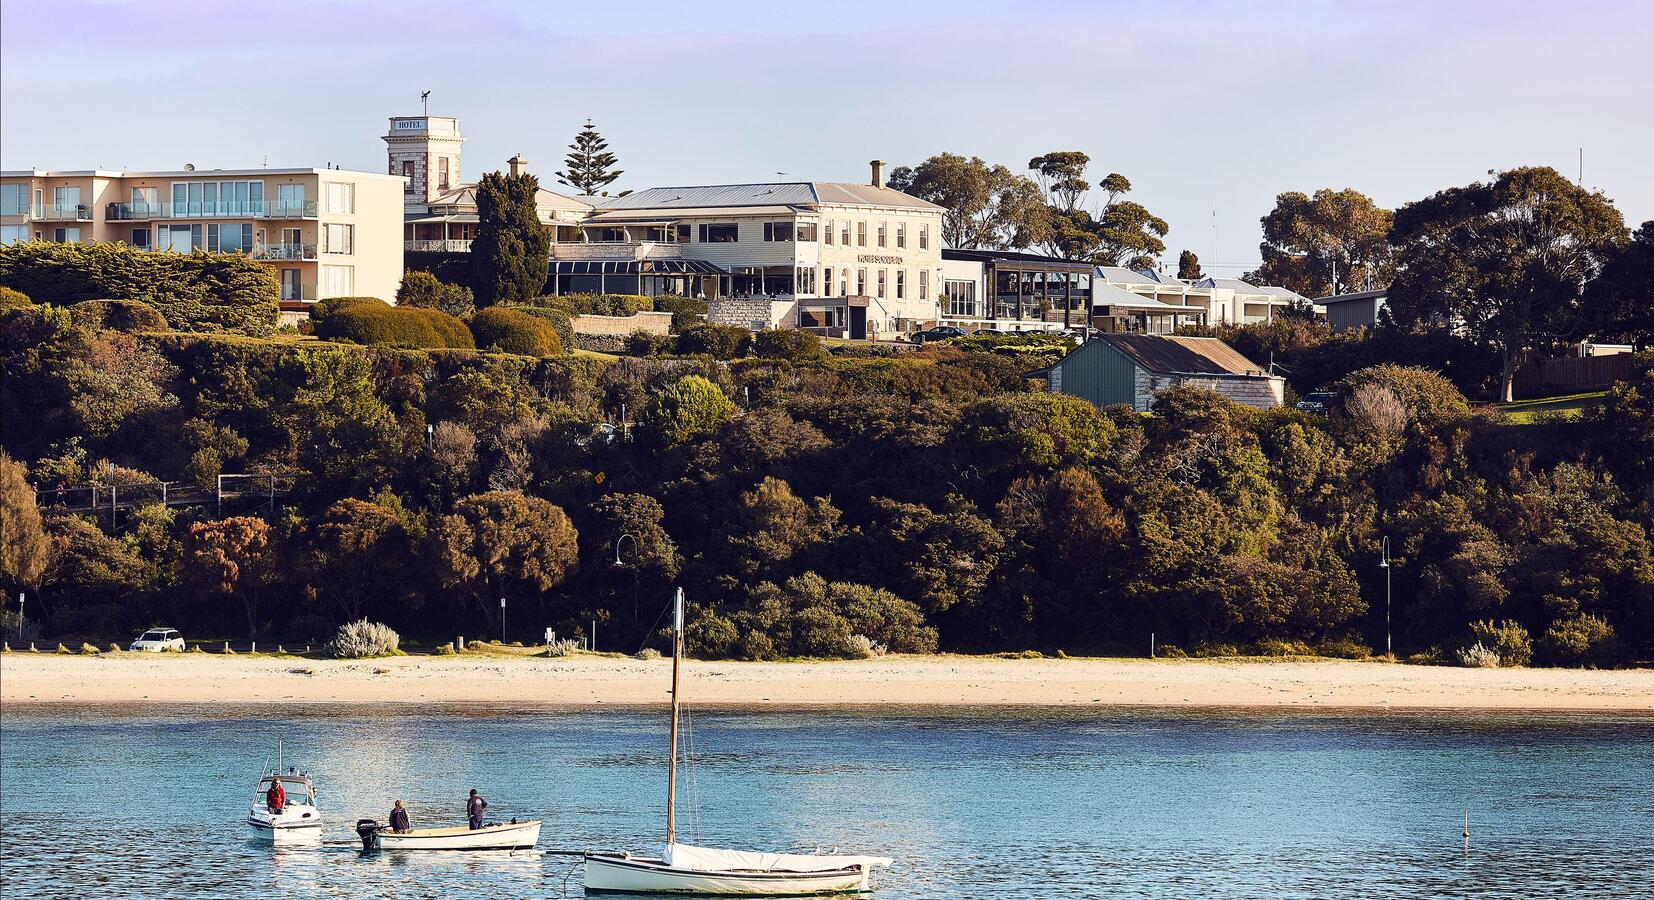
<point x="157" y="640"/>
<point x="1319" y="403"/>
<point x="939" y="333"/>
<point x="988" y="331"/>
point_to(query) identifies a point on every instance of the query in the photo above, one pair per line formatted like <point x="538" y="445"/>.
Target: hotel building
<point x="325" y="232"/>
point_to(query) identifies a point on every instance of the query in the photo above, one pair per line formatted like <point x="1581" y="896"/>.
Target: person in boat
<point x="474" y="808"/>
<point x="399" y="819"/>
<point x="276" y="797"/>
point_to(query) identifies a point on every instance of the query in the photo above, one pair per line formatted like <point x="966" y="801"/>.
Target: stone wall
<point x="747" y="312"/>
<point x="650" y="322"/>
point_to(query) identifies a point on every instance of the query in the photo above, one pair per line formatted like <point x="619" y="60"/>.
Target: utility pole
<point x="1384" y="563"/>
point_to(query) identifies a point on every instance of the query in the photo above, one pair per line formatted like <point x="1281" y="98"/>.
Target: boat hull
<point x="509" y="836"/>
<point x="642" y="875"/>
<point x="297" y="824"/>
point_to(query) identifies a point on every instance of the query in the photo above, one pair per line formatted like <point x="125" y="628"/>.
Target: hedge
<point x="686" y="311"/>
<point x="196" y="291"/>
<point x="12" y="299"/>
<point x="118" y="315"/>
<point x="718" y="341"/>
<point x="622" y="305"/>
<point x="515" y="331"/>
<point x="786" y="343"/>
<point x="365" y="320"/>
<point x="560" y="319"/>
<point x="426" y="291"/>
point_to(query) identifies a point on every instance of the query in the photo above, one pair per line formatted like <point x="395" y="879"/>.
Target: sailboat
<point x="684" y="869"/>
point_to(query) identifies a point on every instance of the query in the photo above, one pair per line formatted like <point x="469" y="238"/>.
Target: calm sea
<point x="1004" y="804"/>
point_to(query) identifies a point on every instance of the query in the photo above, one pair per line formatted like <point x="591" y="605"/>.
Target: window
<point x="442" y="174"/>
<point x="408" y="173"/>
<point x="778" y="231"/>
<point x="844" y="236"/>
<point x="178" y="238"/>
<point x="14" y="200"/>
<point x="924" y="237"/>
<point x="140" y="238"/>
<point x="807" y="232"/>
<point x="961" y="297"/>
<point x="340" y="196"/>
<point x="882" y="273"/>
<point x="805" y="282"/>
<point x="844" y="283"/>
<point x="66" y="235"/>
<point x="901" y="235"/>
<point x="684" y="234"/>
<point x="829" y="231"/>
<point x="66" y="200"/>
<point x="861" y="282"/>
<point x="290" y="200"/>
<point x="146" y="201"/>
<point x="827" y="281"/>
<point x="924" y="284"/>
<point x="290" y="288"/>
<point x="230" y="238"/>
<point x="13" y="234"/>
<point x="861" y="234"/>
<point x="720" y="234"/>
<point x="901" y="283"/>
<point x="338" y="238"/>
<point x="883" y="227"/>
<point x="338" y="281"/>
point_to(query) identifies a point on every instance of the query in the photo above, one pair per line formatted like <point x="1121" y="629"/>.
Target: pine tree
<point x="510" y="256"/>
<point x="589" y="166"/>
<point x="1188" y="266"/>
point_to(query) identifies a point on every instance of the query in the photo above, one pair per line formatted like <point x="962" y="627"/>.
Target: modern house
<point x="1207" y="301"/>
<point x="1357" y="310"/>
<point x="1132" y="368"/>
<point x="325" y="232"/>
<point x="1010" y="291"/>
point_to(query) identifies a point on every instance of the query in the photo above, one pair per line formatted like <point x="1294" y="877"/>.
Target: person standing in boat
<point x="474" y="808"/>
<point x="276" y="797"/>
<point x="399" y="819"/>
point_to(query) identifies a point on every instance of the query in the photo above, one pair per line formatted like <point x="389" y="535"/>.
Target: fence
<point x="1570" y="374"/>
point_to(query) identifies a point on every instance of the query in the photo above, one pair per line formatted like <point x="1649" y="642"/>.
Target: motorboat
<point x="513" y="835"/>
<point x="685" y="869"/>
<point x="298" y="820"/>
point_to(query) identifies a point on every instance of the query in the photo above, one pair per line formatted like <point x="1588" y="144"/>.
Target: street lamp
<point x="20" y="598"/>
<point x="1384" y="563"/>
<point x="502" y="620"/>
<point x="617" y="545"/>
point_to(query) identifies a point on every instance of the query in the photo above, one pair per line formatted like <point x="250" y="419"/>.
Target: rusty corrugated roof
<point x="1175" y="354"/>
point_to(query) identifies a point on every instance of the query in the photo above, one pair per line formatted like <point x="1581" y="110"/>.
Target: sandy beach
<point x="891" y="681"/>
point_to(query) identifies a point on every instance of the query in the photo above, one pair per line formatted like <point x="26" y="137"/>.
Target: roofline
<point x="182" y="173"/>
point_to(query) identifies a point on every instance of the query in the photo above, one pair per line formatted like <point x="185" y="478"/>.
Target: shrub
<point x="361" y="640"/>
<point x="12" y="299"/>
<point x="560" y="319"/>
<point x="643" y="343"/>
<point x="786" y="343"/>
<point x="324" y="308"/>
<point x="1208" y="650"/>
<point x="194" y="291"/>
<point x="1344" y="648"/>
<point x="1280" y="647"/>
<point x="860" y="646"/>
<point x="445" y="650"/>
<point x="562" y="647"/>
<point x="1582" y="640"/>
<point x="711" y="636"/>
<point x="425" y="291"/>
<point x="1478" y="656"/>
<point x="1507" y="638"/>
<point x="63" y="649"/>
<point x="686" y="311"/>
<point x="1170" y="651"/>
<point x="117" y="315"/>
<point x="1429" y="398"/>
<point x="622" y="305"/>
<point x="114" y="648"/>
<point x="378" y="324"/>
<point x="89" y="650"/>
<point x="717" y="341"/>
<point x="647" y="654"/>
<point x="515" y="331"/>
<point x="688" y="408"/>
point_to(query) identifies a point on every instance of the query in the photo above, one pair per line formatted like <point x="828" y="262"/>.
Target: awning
<point x="636" y="267"/>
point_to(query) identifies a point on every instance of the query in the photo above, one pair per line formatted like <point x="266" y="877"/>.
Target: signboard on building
<point x="408" y="125"/>
<point x="879" y="260"/>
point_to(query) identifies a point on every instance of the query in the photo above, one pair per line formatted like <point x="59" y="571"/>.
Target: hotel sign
<point x="879" y="260"/>
<point x="410" y="125"/>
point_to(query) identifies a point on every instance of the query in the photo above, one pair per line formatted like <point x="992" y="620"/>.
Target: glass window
<point x="901" y="235"/>
<point x="13" y="234"/>
<point x="13" y="200"/>
<point x="408" y="173"/>
<point x="338" y="281"/>
<point x="290" y="200"/>
<point x="924" y="237"/>
<point x="861" y="282"/>
<point x="684" y="233"/>
<point x="807" y="232"/>
<point x="442" y="173"/>
<point x="901" y="283"/>
<point x="66" y="198"/>
<point x="844" y="236"/>
<point x="140" y="238"/>
<point x="230" y="238"/>
<point x="861" y="234"/>
<point x="827" y="281"/>
<point x="778" y="231"/>
<point x="341" y="197"/>
<point x="883" y="227"/>
<point x="829" y="235"/>
<point x="66" y="235"/>
<point x="720" y="234"/>
<point x="337" y="238"/>
<point x="290" y="289"/>
<point x="924" y="284"/>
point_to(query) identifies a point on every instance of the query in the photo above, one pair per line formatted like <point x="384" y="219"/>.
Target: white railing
<point x="578" y="250"/>
<point x="285" y="251"/>
<point x="449" y="246"/>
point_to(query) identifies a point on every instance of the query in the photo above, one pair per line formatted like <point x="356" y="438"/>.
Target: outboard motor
<point x="367" y="830"/>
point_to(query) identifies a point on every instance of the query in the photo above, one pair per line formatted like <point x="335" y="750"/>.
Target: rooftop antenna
<point x="781" y="176"/>
<point x="1214" y="229"/>
<point x="1582" y="167"/>
<point x="425" y="101"/>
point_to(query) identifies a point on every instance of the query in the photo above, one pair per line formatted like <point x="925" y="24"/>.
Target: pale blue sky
<point x="1202" y="105"/>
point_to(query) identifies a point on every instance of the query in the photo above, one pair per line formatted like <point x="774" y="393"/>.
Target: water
<point x="1006" y="804"/>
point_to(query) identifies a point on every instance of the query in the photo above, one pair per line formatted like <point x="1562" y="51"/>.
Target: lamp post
<point x="20" y="598"/>
<point x="617" y="545"/>
<point x="502" y="620"/>
<point x="1384" y="563"/>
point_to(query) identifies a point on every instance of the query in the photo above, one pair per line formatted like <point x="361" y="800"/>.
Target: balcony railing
<point x="285" y="251"/>
<point x="596" y="250"/>
<point x="133" y="212"/>
<point x="297" y="292"/>
<point x="437" y="246"/>
<point x="262" y="209"/>
<point x="71" y="213"/>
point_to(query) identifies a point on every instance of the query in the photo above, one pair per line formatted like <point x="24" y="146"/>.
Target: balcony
<point x="296" y="252"/>
<point x="72" y="213"/>
<point x="437" y="246"/>
<point x="133" y="212"/>
<point x="609" y="250"/>
<point x="298" y="293"/>
<point x="180" y="209"/>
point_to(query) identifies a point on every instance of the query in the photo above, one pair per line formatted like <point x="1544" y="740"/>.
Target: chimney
<point x="518" y="165"/>
<point x="878" y="172"/>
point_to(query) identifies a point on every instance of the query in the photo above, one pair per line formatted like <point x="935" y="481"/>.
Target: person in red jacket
<point x="276" y="797"/>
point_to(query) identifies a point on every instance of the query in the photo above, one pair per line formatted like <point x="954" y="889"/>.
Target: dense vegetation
<point x="812" y="503"/>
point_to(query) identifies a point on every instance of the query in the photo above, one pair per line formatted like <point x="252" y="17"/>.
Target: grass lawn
<point x="1571" y="406"/>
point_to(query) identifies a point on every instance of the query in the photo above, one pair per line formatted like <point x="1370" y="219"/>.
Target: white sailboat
<point x="684" y="869"/>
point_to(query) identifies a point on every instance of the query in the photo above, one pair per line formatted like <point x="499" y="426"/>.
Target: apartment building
<point x="1143" y="300"/>
<point x="325" y="232"/>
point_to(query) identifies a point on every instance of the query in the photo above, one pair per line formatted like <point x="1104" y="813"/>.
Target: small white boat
<point x="298" y="821"/>
<point x="705" y="871"/>
<point x="499" y="836"/>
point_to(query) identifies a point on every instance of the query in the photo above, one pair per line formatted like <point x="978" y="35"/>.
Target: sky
<point x="1210" y="107"/>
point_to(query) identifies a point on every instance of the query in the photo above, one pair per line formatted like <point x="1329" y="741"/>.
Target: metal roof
<point x="1358" y="295"/>
<point x="1285" y="292"/>
<point x="1178" y="355"/>
<point x="636" y="267"/>
<point x="782" y="193"/>
<point x="1162" y="278"/>
<point x="1013" y="259"/>
<point x="1233" y="284"/>
<point x="1104" y="294"/>
<point x="1123" y="275"/>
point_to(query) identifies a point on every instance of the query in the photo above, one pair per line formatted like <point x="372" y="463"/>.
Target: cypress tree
<point x="589" y="166"/>
<point x="1188" y="266"/>
<point x="511" y="253"/>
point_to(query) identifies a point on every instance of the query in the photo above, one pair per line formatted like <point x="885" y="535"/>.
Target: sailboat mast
<point x="672" y="770"/>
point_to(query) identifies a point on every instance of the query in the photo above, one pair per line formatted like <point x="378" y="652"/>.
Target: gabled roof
<point x="783" y="193"/>
<point x="1358" y="295"/>
<point x="1282" y="292"/>
<point x="1123" y="275"/>
<point x="1162" y="278"/>
<point x="1233" y="284"/>
<point x="1178" y="355"/>
<point x="466" y="196"/>
<point x="1104" y="294"/>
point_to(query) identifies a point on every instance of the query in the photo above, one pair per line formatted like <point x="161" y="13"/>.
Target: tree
<point x="502" y="542"/>
<point x="1622" y="297"/>
<point x="233" y="557"/>
<point x="688" y="408"/>
<point x="1188" y="266"/>
<point x="774" y="525"/>
<point x="1507" y="260"/>
<point x="510" y="256"/>
<point x="357" y="552"/>
<point x="1330" y="243"/>
<point x="424" y="290"/>
<point x="23" y="543"/>
<point x="590" y="166"/>
<point x="1119" y="232"/>
<point x="984" y="207"/>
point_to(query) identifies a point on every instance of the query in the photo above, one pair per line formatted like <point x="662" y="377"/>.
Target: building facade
<point x="1132" y="369"/>
<point x="1207" y="301"/>
<point x="324" y="232"/>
